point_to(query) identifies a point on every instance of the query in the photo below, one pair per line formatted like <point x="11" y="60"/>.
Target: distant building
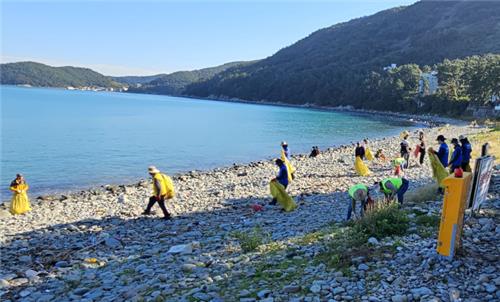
<point x="432" y="83"/>
<point x="495" y="100"/>
<point x="392" y="66"/>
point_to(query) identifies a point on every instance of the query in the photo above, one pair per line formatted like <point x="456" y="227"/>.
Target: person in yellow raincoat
<point x="359" y="165"/>
<point x="278" y="186"/>
<point x="368" y="152"/>
<point x="285" y="157"/>
<point x="163" y="188"/>
<point x="20" y="202"/>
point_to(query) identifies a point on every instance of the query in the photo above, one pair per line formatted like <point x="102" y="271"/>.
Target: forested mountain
<point x="333" y="65"/>
<point x="135" y="80"/>
<point x="175" y="83"/>
<point x="340" y="65"/>
<point x="37" y="74"/>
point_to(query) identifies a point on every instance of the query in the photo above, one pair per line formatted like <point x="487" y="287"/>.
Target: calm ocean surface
<point x="65" y="140"/>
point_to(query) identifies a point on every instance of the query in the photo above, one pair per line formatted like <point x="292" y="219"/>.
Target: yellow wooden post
<point x="452" y="215"/>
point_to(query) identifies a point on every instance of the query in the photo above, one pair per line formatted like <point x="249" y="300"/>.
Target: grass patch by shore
<point x="425" y="193"/>
<point x="250" y="241"/>
<point x="428" y="220"/>
<point x="386" y="220"/>
<point x="350" y="241"/>
<point x="428" y="225"/>
<point x="335" y="246"/>
<point x="492" y="137"/>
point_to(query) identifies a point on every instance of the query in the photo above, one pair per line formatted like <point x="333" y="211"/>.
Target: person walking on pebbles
<point x="20" y="202"/>
<point x="163" y="189"/>
<point x="420" y="148"/>
<point x="405" y="150"/>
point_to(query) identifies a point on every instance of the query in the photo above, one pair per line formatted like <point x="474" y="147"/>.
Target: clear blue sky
<point x="147" y="37"/>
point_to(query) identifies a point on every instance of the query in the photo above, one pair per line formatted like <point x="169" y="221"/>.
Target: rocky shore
<point x="95" y="246"/>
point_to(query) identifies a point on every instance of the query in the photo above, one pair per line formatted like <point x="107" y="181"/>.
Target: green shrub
<point x="250" y="241"/>
<point x="428" y="220"/>
<point x="344" y="244"/>
<point x="350" y="241"/>
<point x="385" y="220"/>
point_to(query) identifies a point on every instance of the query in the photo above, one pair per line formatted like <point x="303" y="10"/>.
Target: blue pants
<point x="402" y="190"/>
<point x="352" y="206"/>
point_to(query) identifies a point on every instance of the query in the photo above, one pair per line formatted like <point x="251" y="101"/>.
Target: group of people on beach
<point x="397" y="186"/>
<point x="392" y="187"/>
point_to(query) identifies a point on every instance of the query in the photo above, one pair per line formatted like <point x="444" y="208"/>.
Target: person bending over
<point x="394" y="186"/>
<point x="358" y="193"/>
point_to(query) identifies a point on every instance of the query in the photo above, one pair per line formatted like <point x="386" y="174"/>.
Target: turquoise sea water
<point x="65" y="140"/>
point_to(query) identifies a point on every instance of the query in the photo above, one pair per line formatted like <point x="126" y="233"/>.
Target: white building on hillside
<point x="428" y="83"/>
<point x="392" y="66"/>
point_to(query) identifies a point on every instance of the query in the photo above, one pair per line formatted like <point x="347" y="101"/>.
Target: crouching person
<point x="394" y="186"/>
<point x="163" y="189"/>
<point x="358" y="193"/>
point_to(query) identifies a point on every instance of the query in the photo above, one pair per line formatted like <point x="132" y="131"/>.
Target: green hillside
<point x="37" y="74"/>
<point x="332" y="65"/>
<point x="175" y="83"/>
<point x="136" y="80"/>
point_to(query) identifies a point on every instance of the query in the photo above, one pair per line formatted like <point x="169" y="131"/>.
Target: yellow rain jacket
<point x="438" y="171"/>
<point x="166" y="186"/>
<point x="278" y="191"/>
<point x="20" y="202"/>
<point x="368" y="154"/>
<point x="291" y="169"/>
<point x="360" y="167"/>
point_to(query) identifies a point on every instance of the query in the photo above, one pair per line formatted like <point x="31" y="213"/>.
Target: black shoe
<point x="147" y="213"/>
<point x="167" y="217"/>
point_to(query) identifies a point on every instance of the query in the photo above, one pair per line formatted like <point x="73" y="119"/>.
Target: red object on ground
<point x="257" y="207"/>
<point x="459" y="172"/>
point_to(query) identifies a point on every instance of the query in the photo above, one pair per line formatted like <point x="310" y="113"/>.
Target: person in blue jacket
<point x="282" y="177"/>
<point x="466" y="152"/>
<point x="456" y="157"/>
<point x="443" y="151"/>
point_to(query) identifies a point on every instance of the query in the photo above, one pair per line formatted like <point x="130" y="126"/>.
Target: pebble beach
<point x="94" y="245"/>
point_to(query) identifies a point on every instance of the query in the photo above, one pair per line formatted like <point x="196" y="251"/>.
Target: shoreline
<point x="416" y="121"/>
<point x="428" y="119"/>
<point x="62" y="194"/>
